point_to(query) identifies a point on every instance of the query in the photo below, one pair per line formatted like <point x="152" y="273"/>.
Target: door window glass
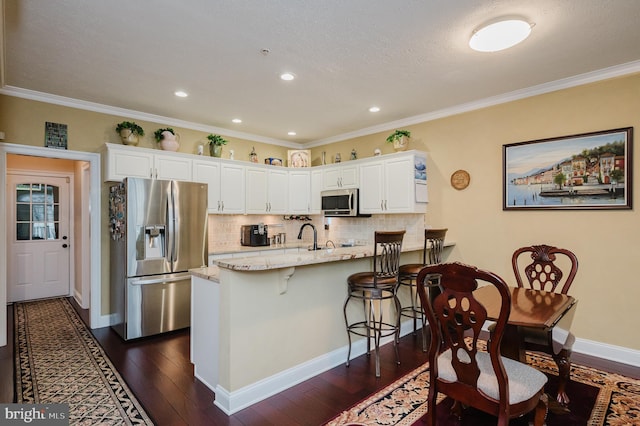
<point x="37" y="211"/>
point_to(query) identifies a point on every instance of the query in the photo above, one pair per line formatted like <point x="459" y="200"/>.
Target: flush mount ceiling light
<point x="180" y="93"/>
<point x="287" y="76"/>
<point x="291" y="133"/>
<point x="237" y="120"/>
<point x="500" y="35"/>
<point x="374" y="109"/>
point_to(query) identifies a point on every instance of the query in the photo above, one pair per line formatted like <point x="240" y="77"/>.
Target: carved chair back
<point x="550" y="268"/>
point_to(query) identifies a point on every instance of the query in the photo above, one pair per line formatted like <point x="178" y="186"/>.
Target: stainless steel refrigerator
<point x="158" y="233"/>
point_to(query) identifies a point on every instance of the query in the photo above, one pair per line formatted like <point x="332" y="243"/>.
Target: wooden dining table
<point x="544" y="314"/>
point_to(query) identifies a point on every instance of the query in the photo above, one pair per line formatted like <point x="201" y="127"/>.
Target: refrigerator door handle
<point x="171" y="224"/>
<point x="161" y="280"/>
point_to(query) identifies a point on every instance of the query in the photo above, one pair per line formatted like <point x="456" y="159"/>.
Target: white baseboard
<point x="105" y="320"/>
<point x="232" y="402"/>
<point x="613" y="353"/>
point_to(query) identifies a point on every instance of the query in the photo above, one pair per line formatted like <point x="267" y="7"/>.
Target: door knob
<point x="64" y="237"/>
<point x="64" y="246"/>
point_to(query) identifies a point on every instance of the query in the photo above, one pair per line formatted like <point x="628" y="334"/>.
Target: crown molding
<point x="578" y="80"/>
<point x="566" y="83"/>
<point x="137" y="115"/>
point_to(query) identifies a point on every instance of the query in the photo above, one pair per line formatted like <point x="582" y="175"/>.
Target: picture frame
<point x="299" y="158"/>
<point x="578" y="172"/>
<point x="55" y="135"/>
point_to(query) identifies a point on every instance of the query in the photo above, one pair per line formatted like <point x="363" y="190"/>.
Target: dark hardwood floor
<point x="158" y="371"/>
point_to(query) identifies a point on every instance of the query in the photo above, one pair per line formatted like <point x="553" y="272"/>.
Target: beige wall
<point x="606" y="242"/>
<point x="23" y="123"/>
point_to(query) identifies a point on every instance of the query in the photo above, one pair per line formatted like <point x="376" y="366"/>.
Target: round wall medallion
<point x="460" y="179"/>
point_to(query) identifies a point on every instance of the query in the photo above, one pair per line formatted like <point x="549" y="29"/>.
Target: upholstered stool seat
<point x="432" y="254"/>
<point x="374" y="288"/>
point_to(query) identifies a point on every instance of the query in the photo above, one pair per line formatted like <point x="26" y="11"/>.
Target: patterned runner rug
<point x="597" y="398"/>
<point x="59" y="361"/>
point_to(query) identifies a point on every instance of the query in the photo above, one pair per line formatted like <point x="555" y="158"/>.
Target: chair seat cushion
<point x="411" y="268"/>
<point x="524" y="381"/>
<point x="366" y="279"/>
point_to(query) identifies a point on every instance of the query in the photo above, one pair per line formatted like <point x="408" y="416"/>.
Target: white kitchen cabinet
<point x="126" y="161"/>
<point x="207" y="171"/>
<point x="267" y="190"/>
<point x="390" y="185"/>
<point x="340" y="176"/>
<point x="316" y="189"/>
<point x="299" y="192"/>
<point x="225" y="184"/>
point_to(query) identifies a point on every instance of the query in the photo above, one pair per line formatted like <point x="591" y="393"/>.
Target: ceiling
<point x="410" y="58"/>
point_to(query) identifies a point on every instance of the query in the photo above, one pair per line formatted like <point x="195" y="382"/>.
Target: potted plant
<point x="129" y="132"/>
<point x="215" y="144"/>
<point x="168" y="139"/>
<point x="400" y="139"/>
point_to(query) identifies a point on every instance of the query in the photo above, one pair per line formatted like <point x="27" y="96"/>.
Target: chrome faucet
<point x="315" y="235"/>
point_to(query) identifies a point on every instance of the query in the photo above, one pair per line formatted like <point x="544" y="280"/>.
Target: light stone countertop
<point x="210" y="273"/>
<point x="305" y="257"/>
<point x="301" y="258"/>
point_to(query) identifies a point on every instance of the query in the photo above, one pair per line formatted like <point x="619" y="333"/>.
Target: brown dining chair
<point x="552" y="269"/>
<point x="431" y="254"/>
<point x="373" y="288"/>
<point x="459" y="365"/>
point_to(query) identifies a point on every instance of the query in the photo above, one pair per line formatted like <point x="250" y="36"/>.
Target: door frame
<point x="95" y="314"/>
<point x="70" y="220"/>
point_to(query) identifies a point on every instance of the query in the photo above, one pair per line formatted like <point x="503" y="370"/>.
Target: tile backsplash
<point x="224" y="230"/>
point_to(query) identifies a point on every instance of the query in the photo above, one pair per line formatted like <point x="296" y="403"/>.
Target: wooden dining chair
<point x="459" y="366"/>
<point x="552" y="269"/>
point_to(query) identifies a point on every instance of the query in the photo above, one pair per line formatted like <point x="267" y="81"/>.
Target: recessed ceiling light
<point x="237" y="120"/>
<point x="287" y="76"/>
<point x="291" y="133"/>
<point x="181" y="94"/>
<point x="374" y="109"/>
<point x="500" y="35"/>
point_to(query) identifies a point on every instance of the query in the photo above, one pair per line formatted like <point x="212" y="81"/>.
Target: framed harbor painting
<point x="578" y="172"/>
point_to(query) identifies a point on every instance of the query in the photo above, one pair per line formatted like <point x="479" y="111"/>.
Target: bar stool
<point x="433" y="245"/>
<point x="373" y="288"/>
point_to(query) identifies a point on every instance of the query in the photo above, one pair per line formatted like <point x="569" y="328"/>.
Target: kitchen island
<point x="263" y="324"/>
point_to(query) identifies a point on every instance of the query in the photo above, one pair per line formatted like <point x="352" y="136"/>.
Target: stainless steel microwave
<point x="341" y="203"/>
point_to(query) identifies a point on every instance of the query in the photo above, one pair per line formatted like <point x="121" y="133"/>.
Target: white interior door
<point x="38" y="237"/>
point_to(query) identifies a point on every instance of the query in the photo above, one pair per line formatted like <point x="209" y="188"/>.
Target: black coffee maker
<point x="254" y="235"/>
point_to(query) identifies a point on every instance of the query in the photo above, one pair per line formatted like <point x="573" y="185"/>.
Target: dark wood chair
<point x="373" y="288"/>
<point x="431" y="255"/>
<point x="552" y="269"/>
<point x="459" y="367"/>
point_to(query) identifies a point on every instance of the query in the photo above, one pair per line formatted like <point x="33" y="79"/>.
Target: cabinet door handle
<point x="222" y="205"/>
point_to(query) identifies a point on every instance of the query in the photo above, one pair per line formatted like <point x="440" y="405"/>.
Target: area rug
<point x="597" y="398"/>
<point x="59" y="361"/>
